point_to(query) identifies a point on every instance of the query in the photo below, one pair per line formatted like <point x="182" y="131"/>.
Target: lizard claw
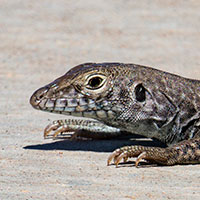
<point x="51" y="127"/>
<point x="114" y="156"/>
<point x="57" y="127"/>
<point x="118" y="155"/>
<point x="124" y="153"/>
<point x="151" y="154"/>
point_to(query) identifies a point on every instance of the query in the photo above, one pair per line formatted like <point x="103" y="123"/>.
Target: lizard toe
<point x="49" y="128"/>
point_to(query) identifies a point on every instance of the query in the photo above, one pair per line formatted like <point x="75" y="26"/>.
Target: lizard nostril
<point x="41" y="96"/>
<point x="40" y="93"/>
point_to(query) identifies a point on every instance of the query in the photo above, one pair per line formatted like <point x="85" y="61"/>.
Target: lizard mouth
<point x="68" y="100"/>
<point x="44" y="99"/>
<point x="69" y="104"/>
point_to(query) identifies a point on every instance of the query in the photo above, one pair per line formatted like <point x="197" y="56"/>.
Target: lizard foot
<point x="57" y="127"/>
<point x="81" y="129"/>
<point x="185" y="152"/>
<point x="151" y="154"/>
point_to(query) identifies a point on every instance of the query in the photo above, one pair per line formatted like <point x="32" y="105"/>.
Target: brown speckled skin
<point x="131" y="98"/>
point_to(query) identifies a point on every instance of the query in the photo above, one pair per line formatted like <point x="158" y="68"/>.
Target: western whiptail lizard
<point x="131" y="98"/>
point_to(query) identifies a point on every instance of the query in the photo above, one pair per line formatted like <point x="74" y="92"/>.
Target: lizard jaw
<point x="69" y="103"/>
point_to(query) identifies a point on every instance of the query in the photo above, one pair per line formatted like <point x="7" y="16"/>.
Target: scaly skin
<point x="128" y="98"/>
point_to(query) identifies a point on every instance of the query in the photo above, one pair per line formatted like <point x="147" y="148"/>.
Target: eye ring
<point x="95" y="82"/>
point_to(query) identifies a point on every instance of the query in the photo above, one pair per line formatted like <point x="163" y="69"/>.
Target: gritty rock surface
<point x="41" y="40"/>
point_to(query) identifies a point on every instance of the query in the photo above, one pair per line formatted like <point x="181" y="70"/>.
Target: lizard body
<point x="130" y="98"/>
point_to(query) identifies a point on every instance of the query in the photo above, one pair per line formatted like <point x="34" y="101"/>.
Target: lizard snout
<point x="37" y="97"/>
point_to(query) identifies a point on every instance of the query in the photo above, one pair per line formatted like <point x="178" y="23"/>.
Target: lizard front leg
<point x="82" y="128"/>
<point x="185" y="152"/>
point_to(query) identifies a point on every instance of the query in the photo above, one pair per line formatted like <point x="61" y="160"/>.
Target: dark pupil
<point x="140" y="93"/>
<point x="95" y="82"/>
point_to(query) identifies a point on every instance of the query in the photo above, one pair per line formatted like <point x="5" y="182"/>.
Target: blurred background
<point x="41" y="40"/>
<point x="64" y="33"/>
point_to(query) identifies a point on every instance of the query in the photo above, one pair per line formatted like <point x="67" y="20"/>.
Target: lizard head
<point x="82" y="91"/>
<point x="119" y="95"/>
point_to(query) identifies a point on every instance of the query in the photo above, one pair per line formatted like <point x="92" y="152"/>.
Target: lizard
<point x="131" y="98"/>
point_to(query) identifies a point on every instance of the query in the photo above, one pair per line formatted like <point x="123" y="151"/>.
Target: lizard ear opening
<point x="140" y="93"/>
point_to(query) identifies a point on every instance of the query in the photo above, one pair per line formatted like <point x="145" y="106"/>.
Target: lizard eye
<point x="95" y="82"/>
<point x="140" y="93"/>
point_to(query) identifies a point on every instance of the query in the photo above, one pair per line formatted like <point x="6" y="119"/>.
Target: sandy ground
<point x="41" y="40"/>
